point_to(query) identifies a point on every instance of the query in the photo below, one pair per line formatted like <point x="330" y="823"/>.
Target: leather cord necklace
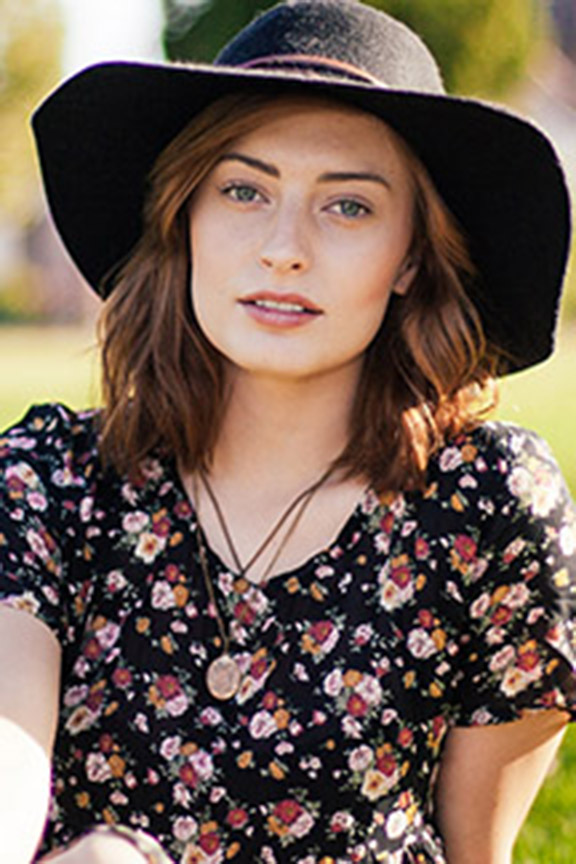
<point x="223" y="676"/>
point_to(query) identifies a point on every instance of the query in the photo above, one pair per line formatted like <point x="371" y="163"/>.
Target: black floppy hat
<point x="100" y="132"/>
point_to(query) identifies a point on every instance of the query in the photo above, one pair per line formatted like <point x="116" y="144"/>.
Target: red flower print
<point x="244" y="613"/>
<point x="421" y="548"/>
<point x="386" y="764"/>
<point x="501" y="615"/>
<point x="188" y="775"/>
<point x="237" y="818"/>
<point x="425" y="618"/>
<point x="321" y="630"/>
<point x="122" y="677"/>
<point x="168" y="686"/>
<point x="401" y="576"/>
<point x="466" y="547"/>
<point x="356" y="706"/>
<point x="405" y="737"/>
<point x="209" y="843"/>
<point x="288" y="811"/>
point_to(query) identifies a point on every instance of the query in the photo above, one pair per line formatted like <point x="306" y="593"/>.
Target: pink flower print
<point x="362" y="634"/>
<point x="450" y="459"/>
<point x="210" y="716"/>
<point x="37" y="501"/>
<point x="480" y="606"/>
<point x="108" y="634"/>
<point x="360" y="758"/>
<point x="333" y="683"/>
<point x="341" y="821"/>
<point x="134" y="523"/>
<point x="115" y="581"/>
<point x="185" y="827"/>
<point x="170" y="747"/>
<point x="177" y="705"/>
<point x="502" y="659"/>
<point x="202" y="763"/>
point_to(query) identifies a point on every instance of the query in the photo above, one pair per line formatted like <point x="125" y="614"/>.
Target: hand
<point x="96" y="849"/>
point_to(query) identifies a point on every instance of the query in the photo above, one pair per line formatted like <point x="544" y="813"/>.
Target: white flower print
<point x="97" y="768"/>
<point x="396" y="824"/>
<point x="163" y="596"/>
<point x="351" y="727"/>
<point x="420" y="644"/>
<point x="262" y="725"/>
<point x="149" y="546"/>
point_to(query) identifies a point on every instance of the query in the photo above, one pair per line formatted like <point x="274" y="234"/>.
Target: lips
<point x="289" y="304"/>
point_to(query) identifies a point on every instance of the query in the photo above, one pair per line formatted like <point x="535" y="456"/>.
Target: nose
<point x="285" y="248"/>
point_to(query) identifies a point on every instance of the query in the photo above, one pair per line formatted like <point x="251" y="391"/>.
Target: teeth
<point x="282" y="307"/>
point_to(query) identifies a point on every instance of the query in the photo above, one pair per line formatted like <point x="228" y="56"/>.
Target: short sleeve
<point x="38" y="488"/>
<point x="518" y="642"/>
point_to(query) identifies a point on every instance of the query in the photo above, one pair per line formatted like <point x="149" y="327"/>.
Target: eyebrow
<point x="327" y="177"/>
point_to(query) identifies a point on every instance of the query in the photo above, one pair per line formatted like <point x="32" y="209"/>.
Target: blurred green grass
<point x="60" y="364"/>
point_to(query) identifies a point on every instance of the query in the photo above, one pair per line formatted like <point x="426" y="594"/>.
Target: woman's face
<point x="299" y="236"/>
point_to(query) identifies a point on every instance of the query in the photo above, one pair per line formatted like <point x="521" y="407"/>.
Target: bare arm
<point x="29" y="684"/>
<point x="488" y="780"/>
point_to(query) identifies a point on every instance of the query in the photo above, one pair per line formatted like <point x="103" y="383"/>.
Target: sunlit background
<point x="522" y="52"/>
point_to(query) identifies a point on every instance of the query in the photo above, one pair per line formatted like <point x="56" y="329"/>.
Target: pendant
<point x="223" y="677"/>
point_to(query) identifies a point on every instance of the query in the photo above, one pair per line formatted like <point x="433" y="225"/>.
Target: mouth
<point x="292" y="304"/>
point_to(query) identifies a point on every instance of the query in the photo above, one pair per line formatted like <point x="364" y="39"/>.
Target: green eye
<point x="351" y="209"/>
<point x="243" y="194"/>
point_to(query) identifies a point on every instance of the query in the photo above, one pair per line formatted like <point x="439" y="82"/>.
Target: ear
<point x="405" y="277"/>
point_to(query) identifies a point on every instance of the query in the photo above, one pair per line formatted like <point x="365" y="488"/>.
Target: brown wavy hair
<point x="427" y="376"/>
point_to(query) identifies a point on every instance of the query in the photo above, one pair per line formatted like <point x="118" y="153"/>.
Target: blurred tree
<point x="30" y="41"/>
<point x="482" y="46"/>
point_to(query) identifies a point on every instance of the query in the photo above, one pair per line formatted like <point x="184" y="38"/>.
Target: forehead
<point x="324" y="126"/>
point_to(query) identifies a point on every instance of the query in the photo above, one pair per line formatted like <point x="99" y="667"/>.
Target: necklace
<point x="223" y="676"/>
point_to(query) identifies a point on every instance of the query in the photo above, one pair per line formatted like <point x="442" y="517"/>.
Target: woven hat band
<point x="310" y="61"/>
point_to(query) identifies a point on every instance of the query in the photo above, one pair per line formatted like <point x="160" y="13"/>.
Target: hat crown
<point x="345" y="31"/>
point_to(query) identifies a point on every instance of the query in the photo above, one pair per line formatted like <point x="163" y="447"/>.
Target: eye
<point x="350" y="208"/>
<point x="241" y="192"/>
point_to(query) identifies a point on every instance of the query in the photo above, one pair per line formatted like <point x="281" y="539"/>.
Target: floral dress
<point x="449" y="607"/>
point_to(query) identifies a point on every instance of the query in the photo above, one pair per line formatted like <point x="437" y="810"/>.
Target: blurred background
<point x="520" y="52"/>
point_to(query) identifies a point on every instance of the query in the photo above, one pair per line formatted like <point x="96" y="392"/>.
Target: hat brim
<point x="100" y="133"/>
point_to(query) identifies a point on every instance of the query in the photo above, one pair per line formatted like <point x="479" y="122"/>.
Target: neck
<point x="288" y="430"/>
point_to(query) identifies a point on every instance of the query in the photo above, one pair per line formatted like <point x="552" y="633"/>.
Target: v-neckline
<point x="342" y="539"/>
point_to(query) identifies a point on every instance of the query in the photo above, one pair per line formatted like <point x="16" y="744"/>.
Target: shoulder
<point x="52" y="441"/>
<point x="507" y="462"/>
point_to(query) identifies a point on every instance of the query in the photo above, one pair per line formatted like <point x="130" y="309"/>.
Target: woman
<point x="293" y="601"/>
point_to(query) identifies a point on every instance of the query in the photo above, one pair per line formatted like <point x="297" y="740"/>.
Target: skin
<point x="291" y="394"/>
